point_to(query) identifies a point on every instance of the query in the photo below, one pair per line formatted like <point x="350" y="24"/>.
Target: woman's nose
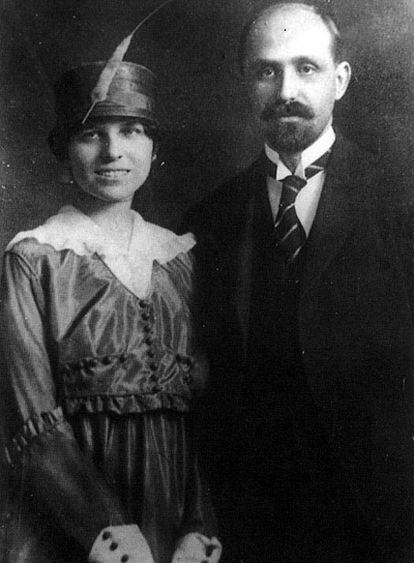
<point x="111" y="147"/>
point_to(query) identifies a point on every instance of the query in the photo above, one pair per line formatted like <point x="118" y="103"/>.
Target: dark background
<point x="192" y="46"/>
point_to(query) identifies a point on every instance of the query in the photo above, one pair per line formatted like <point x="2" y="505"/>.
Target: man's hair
<point x="320" y="9"/>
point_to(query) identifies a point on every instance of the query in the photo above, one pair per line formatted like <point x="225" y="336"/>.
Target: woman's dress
<point x="101" y="369"/>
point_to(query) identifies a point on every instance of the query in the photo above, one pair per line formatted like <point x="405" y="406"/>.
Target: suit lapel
<point x="334" y="218"/>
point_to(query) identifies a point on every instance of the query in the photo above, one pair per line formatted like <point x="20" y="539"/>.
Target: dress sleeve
<point x="199" y="512"/>
<point x="39" y="442"/>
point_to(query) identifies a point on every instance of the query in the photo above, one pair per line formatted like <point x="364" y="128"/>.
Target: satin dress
<point x="101" y="373"/>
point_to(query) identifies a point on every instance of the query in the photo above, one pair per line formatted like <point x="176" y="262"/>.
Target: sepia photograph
<point x="207" y="281"/>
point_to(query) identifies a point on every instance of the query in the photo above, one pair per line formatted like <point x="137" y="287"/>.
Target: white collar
<point x="73" y="230"/>
<point x="308" y="156"/>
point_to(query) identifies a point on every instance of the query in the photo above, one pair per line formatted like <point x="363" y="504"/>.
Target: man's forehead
<point x="293" y="30"/>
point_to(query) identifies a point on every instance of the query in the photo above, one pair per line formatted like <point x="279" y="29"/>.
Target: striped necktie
<point x="289" y="233"/>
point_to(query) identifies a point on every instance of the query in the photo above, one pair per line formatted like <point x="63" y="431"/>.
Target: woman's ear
<point x="65" y="173"/>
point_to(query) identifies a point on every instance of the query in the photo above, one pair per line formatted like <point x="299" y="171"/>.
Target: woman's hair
<point x="60" y="137"/>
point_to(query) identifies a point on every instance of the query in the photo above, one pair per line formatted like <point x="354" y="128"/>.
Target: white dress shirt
<point x="307" y="200"/>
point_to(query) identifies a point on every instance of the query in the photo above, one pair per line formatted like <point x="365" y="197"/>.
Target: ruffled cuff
<point x="199" y="548"/>
<point x="120" y="544"/>
<point x="45" y="423"/>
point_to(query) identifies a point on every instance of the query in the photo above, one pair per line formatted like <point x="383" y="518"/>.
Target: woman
<point x="101" y="363"/>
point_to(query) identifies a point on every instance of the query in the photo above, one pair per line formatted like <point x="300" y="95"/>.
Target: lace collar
<point x="72" y="230"/>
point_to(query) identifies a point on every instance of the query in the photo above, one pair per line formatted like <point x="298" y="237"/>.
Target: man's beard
<point x="289" y="137"/>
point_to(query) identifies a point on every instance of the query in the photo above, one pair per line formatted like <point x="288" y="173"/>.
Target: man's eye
<point x="307" y="69"/>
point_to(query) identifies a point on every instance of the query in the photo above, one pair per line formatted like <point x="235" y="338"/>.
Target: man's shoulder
<point x="362" y="175"/>
<point x="226" y="202"/>
<point x="349" y="157"/>
<point x="241" y="185"/>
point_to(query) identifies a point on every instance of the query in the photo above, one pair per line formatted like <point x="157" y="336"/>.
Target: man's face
<point x="292" y="78"/>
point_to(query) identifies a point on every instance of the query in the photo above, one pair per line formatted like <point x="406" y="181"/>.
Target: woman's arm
<point x="40" y="443"/>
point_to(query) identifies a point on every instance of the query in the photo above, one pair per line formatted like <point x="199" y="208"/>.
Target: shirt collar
<point x="309" y="155"/>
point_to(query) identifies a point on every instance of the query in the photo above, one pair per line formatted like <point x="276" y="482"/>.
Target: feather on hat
<point x="100" y="92"/>
<point x="106" y="88"/>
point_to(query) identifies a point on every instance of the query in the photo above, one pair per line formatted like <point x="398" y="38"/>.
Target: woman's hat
<point x="101" y="89"/>
<point x="129" y="92"/>
<point x="112" y="88"/>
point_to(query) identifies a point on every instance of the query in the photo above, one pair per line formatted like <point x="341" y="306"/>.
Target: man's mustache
<point x="287" y="109"/>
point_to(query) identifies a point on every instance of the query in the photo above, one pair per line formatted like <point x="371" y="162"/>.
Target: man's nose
<point x="288" y="85"/>
<point x="111" y="147"/>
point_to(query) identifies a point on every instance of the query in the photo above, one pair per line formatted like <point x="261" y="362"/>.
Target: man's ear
<point x="343" y="76"/>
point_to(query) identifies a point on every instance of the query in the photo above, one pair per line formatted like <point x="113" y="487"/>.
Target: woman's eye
<point x="267" y="72"/>
<point x="136" y="130"/>
<point x="88" y="135"/>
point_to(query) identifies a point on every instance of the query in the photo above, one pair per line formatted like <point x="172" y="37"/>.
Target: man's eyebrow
<point x="305" y="59"/>
<point x="259" y="61"/>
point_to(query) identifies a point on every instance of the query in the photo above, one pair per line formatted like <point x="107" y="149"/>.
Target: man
<point x="308" y="321"/>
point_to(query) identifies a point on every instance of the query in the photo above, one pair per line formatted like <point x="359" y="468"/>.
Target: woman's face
<point x="111" y="158"/>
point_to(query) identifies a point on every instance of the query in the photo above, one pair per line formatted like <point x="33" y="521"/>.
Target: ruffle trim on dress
<point x="72" y="230"/>
<point x="126" y="404"/>
<point x="36" y="426"/>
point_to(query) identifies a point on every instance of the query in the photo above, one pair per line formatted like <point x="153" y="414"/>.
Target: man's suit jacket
<point x="355" y="323"/>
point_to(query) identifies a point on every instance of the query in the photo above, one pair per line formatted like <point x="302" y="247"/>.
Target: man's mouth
<point x="287" y="110"/>
<point x="112" y="173"/>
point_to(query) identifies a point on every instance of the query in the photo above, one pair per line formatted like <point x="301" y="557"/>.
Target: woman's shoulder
<point x="36" y="242"/>
<point x="69" y="229"/>
<point x="46" y="242"/>
<point x="159" y="243"/>
<point x="182" y="261"/>
<point x="26" y="256"/>
<point x="28" y="245"/>
<point x="49" y="228"/>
